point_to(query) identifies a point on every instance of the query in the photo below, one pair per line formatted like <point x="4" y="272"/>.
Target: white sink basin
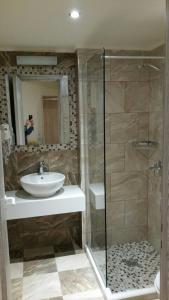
<point x="44" y="185"/>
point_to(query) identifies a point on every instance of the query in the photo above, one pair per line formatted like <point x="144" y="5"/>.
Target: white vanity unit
<point x="22" y="205"/>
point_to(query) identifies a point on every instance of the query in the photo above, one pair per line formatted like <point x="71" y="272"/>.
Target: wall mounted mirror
<point x="39" y="108"/>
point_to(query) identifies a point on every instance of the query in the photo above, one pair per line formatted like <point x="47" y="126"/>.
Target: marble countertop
<point x="22" y="205"/>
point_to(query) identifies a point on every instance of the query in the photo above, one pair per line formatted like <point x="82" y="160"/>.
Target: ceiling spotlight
<point x="74" y="14"/>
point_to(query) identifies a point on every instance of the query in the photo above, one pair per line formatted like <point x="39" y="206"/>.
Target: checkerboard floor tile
<point x="61" y="278"/>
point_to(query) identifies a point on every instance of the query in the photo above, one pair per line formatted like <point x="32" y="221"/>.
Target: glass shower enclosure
<point x="124" y="141"/>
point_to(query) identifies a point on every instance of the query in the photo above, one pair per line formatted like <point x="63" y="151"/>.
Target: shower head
<point x="149" y="66"/>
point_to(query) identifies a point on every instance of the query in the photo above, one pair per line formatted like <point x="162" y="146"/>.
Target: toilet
<point x="157" y="283"/>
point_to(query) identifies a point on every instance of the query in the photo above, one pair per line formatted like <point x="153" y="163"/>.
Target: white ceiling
<point x="118" y="24"/>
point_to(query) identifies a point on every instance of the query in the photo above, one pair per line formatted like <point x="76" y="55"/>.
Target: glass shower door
<point x="96" y="161"/>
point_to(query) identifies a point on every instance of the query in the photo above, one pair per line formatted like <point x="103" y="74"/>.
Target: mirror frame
<point x="64" y="119"/>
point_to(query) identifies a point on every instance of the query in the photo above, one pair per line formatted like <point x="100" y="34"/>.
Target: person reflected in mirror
<point x="28" y="128"/>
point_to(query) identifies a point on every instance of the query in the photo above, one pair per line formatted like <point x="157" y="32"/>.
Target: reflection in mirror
<point x="40" y="109"/>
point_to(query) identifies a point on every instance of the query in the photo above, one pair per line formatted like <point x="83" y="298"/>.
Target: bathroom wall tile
<point x="156" y="126"/>
<point x="108" y="186"/>
<point x="156" y="134"/>
<point x="43" y="236"/>
<point x="114" y="97"/>
<point x="119" y="234"/>
<point x="66" y="162"/>
<point x="128" y="185"/>
<point x="108" y="128"/>
<point x="115" y="157"/>
<point x="38" y="253"/>
<point x="154" y="212"/>
<point x="115" y="213"/>
<point x="155" y="186"/>
<point x="123" y="127"/>
<point x="137" y="96"/>
<point x="136" y="212"/>
<point x="24" y="163"/>
<point x="156" y="95"/>
<point x="128" y="70"/>
<point x="143" y="126"/>
<point x="10" y="173"/>
<point x="135" y="160"/>
<point x="29" y="162"/>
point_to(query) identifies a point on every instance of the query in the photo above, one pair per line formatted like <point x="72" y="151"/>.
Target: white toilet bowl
<point x="157" y="283"/>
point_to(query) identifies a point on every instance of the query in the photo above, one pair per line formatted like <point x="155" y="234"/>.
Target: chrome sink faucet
<point x="42" y="168"/>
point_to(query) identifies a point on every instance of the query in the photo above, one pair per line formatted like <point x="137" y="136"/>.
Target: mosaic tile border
<point x="43" y="70"/>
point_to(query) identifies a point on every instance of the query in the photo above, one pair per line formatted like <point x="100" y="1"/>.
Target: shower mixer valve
<point x="156" y="167"/>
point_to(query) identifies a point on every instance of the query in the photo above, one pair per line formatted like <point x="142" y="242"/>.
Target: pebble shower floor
<point x="131" y="265"/>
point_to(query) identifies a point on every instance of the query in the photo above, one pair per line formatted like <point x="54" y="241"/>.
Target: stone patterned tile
<point x="114" y="96"/>
<point x="57" y="231"/>
<point x="136" y="212"/>
<point x="108" y="128"/>
<point x="156" y="95"/>
<point x="137" y="96"/>
<point x="124" y="234"/>
<point x="123" y="127"/>
<point x="29" y="162"/>
<point x="76" y="281"/>
<point x="156" y="126"/>
<point x="39" y="267"/>
<point x="16" y="255"/>
<point x="16" y="270"/>
<point x="55" y="298"/>
<point x="115" y="157"/>
<point x="143" y="126"/>
<point x="72" y="262"/>
<point x="10" y="173"/>
<point x="135" y="160"/>
<point x="128" y="185"/>
<point x="66" y="162"/>
<point x="89" y="295"/>
<point x="41" y="286"/>
<point x="115" y="213"/>
<point x="36" y="253"/>
<point x="17" y="286"/>
<point x="128" y="70"/>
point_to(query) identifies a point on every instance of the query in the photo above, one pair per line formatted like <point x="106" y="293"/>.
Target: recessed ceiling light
<point x="74" y="14"/>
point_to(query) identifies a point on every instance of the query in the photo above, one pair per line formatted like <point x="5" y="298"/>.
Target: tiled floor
<point x="134" y="264"/>
<point x="61" y="278"/>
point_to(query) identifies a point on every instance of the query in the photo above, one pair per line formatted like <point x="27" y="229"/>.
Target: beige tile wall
<point x="156" y="134"/>
<point x="127" y="118"/>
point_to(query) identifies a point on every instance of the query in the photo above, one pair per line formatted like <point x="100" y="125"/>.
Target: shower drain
<point x="131" y="262"/>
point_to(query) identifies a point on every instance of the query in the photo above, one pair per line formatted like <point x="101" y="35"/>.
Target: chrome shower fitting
<point x="149" y="66"/>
